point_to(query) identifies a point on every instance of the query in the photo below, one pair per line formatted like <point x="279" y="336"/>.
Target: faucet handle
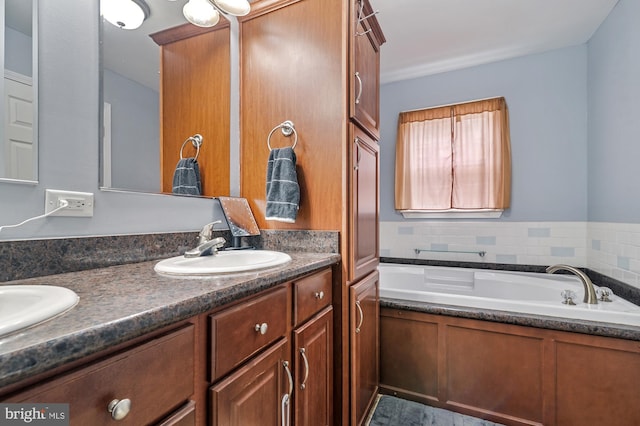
<point x="568" y="296"/>
<point x="604" y="294"/>
<point x="207" y="231"/>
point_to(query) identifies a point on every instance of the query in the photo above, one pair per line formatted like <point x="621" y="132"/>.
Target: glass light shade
<point x="201" y="13"/>
<point x="233" y="7"/>
<point x="124" y="14"/>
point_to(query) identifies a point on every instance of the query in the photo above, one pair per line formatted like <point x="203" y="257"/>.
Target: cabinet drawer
<point x="311" y="295"/>
<point x="240" y="332"/>
<point x="157" y="377"/>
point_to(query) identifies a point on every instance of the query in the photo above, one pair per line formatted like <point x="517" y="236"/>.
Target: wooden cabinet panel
<point x="253" y="394"/>
<point x="313" y="352"/>
<point x="597" y="385"/>
<point x="365" y="79"/>
<point x="311" y="294"/>
<point x="511" y="374"/>
<point x="495" y="371"/>
<point x="409" y="355"/>
<point x="156" y="376"/>
<point x="240" y="332"/>
<point x="300" y="79"/>
<point x="364" y="204"/>
<point x="364" y="312"/>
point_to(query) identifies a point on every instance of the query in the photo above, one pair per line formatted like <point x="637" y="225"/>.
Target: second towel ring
<point x="287" y="129"/>
<point x="196" y="141"/>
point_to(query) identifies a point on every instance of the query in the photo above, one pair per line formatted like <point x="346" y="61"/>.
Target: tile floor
<point x="392" y="411"/>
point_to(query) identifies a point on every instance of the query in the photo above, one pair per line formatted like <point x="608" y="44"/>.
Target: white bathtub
<point x="524" y="292"/>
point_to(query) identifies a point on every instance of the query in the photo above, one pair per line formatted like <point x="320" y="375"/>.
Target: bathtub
<point x="521" y="292"/>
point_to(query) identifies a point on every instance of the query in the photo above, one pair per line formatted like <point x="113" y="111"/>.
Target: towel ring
<point x="287" y="129"/>
<point x="196" y="141"/>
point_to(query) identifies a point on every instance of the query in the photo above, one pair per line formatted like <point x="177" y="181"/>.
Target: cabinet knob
<point x="119" y="408"/>
<point x="319" y="295"/>
<point x="261" y="328"/>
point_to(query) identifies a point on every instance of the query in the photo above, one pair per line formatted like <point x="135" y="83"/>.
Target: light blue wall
<point x="614" y="117"/>
<point x="68" y="106"/>
<point x="546" y="94"/>
<point x="135" y="133"/>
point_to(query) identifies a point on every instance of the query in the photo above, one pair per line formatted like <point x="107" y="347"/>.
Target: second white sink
<point x="222" y="262"/>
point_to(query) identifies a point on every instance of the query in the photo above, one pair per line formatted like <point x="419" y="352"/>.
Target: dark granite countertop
<point x="620" y="331"/>
<point x="123" y="302"/>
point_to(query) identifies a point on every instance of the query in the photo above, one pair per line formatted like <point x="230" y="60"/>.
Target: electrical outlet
<point x="80" y="203"/>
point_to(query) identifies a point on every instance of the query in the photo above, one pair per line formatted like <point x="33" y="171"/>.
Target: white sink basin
<point x="222" y="262"/>
<point x="22" y="306"/>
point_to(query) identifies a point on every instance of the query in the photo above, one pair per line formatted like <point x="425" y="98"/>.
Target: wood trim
<point x="184" y="31"/>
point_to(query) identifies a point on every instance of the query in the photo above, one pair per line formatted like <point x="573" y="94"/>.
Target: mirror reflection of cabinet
<point x="194" y="98"/>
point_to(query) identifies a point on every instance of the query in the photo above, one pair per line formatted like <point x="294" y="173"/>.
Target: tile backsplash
<point x="611" y="249"/>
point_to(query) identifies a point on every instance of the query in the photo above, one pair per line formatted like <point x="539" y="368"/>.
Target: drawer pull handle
<point x="119" y="408"/>
<point x="361" y="316"/>
<point x="306" y="368"/>
<point x="261" y="328"/>
<point x="319" y="295"/>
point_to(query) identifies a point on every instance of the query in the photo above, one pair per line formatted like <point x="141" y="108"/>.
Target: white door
<point x="18" y="130"/>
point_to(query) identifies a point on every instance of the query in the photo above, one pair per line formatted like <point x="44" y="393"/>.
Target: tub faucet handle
<point x="568" y="297"/>
<point x="604" y="294"/>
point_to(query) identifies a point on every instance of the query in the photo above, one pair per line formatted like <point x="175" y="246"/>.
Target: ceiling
<point x="431" y="36"/>
<point x="423" y="36"/>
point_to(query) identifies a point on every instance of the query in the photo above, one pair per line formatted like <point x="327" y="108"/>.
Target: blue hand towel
<point x="283" y="192"/>
<point x="186" y="178"/>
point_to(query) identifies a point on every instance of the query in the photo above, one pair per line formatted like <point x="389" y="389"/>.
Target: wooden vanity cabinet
<point x="156" y="376"/>
<point x="313" y="350"/>
<point x="254" y="377"/>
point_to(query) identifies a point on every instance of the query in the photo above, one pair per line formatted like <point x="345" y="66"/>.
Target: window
<point x="454" y="159"/>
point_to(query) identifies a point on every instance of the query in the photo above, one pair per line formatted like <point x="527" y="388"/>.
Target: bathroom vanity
<point x="150" y="349"/>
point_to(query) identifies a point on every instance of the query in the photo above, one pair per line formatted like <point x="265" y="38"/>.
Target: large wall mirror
<point x="19" y="147"/>
<point x="135" y="129"/>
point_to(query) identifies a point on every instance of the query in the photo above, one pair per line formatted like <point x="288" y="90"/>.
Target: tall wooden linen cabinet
<point x="316" y="63"/>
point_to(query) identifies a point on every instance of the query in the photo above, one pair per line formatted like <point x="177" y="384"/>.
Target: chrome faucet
<point x="589" y="291"/>
<point x="206" y="242"/>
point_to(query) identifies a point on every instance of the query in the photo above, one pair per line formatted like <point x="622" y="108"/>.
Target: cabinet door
<point x="313" y="352"/>
<point x="364" y="204"/>
<point x="365" y="78"/>
<point x="255" y="394"/>
<point x="364" y="330"/>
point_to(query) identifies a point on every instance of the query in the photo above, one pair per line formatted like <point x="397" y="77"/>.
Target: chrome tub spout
<point x="589" y="291"/>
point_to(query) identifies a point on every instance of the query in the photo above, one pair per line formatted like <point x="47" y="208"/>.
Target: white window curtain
<point x="454" y="158"/>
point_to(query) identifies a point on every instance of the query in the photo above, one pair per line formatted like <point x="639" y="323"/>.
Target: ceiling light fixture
<point x="201" y="13"/>
<point x="125" y="14"/>
<point x="206" y="13"/>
